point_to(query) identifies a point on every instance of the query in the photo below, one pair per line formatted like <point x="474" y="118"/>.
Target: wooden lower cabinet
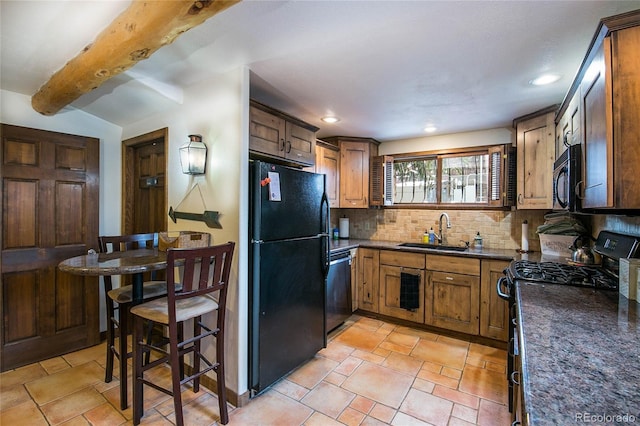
<point x="354" y="280"/>
<point x="452" y="293"/>
<point x="393" y="264"/>
<point x="494" y="311"/>
<point x="456" y="293"/>
<point x="368" y="284"/>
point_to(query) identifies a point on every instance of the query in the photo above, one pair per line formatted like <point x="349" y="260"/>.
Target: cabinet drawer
<point x="457" y="264"/>
<point x="399" y="258"/>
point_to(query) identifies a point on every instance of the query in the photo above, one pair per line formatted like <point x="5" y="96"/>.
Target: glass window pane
<point x="415" y="181"/>
<point x="465" y="179"/>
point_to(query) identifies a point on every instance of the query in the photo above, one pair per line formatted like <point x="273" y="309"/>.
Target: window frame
<point x="438" y="156"/>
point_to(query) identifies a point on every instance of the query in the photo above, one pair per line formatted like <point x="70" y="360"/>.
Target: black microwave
<point x="567" y="175"/>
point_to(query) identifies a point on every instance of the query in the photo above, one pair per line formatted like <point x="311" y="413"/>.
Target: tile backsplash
<point x="629" y="225"/>
<point x="499" y="229"/>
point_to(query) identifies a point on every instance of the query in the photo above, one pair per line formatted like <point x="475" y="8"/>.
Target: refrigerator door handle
<point x="325" y="262"/>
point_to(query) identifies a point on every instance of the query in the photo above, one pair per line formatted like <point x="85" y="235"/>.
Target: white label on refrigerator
<point x="274" y="187"/>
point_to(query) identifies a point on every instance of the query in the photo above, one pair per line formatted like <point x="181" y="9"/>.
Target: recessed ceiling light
<point x="330" y="119"/>
<point x="430" y="129"/>
<point x="545" y="79"/>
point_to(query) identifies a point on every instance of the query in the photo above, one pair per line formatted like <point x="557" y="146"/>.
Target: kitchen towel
<point x="344" y="227"/>
<point x="409" y="291"/>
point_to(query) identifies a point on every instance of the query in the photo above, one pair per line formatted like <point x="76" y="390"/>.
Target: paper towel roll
<point x="525" y="236"/>
<point x="344" y="227"/>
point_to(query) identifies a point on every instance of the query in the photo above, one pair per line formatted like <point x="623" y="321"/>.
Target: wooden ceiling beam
<point x="143" y="28"/>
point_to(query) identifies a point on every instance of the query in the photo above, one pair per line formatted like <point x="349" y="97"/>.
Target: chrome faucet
<point x="440" y="236"/>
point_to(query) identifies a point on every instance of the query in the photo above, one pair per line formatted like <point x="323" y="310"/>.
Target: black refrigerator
<point x="288" y="262"/>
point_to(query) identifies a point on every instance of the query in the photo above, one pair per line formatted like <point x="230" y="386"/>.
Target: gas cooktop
<point x="561" y="273"/>
<point x="610" y="246"/>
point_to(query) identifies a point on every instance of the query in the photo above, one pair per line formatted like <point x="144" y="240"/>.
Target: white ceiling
<point x="386" y="68"/>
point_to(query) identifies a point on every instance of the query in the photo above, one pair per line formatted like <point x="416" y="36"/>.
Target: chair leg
<point x="138" y="373"/>
<point x="174" y="362"/>
<point x="222" y="387"/>
<point x="180" y="339"/>
<point x="124" y="351"/>
<point x="108" y="373"/>
<point x="196" y="354"/>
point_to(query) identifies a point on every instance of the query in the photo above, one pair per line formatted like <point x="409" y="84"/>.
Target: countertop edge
<point x="485" y="253"/>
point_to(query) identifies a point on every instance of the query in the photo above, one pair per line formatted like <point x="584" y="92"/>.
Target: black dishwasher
<point x="338" y="307"/>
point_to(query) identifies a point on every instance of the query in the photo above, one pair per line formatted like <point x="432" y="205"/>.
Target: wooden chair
<point x="204" y="272"/>
<point x="120" y="299"/>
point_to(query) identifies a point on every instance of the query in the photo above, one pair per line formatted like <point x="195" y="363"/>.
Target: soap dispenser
<point x="477" y="241"/>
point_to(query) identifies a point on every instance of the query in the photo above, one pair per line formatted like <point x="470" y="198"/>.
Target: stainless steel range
<point x="610" y="246"/>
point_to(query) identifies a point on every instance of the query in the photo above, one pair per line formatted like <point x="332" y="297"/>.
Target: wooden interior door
<point x="50" y="192"/>
<point x="144" y="184"/>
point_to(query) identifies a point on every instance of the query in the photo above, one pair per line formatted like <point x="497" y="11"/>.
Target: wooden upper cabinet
<point x="328" y="163"/>
<point x="535" y="144"/>
<point x="278" y="137"/>
<point x="355" y="157"/>
<point x="610" y="92"/>
<point x="569" y="125"/>
<point x="602" y="109"/>
<point x="597" y="188"/>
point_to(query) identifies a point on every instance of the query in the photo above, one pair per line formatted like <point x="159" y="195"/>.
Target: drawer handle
<point x="448" y="278"/>
<point x="513" y="378"/>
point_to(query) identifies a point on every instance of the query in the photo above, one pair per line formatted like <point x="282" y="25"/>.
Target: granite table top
<point x="580" y="355"/>
<point x="116" y="263"/>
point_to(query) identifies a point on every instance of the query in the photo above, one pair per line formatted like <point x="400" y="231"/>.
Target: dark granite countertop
<point x="581" y="357"/>
<point x="485" y="253"/>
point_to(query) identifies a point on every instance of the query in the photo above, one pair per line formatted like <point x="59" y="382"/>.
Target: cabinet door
<point x="568" y="129"/>
<point x="354" y="280"/>
<point x="354" y="174"/>
<point x="390" y="283"/>
<point x="300" y="144"/>
<point x="451" y="301"/>
<point x="536" y="154"/>
<point x="266" y="132"/>
<point x="328" y="163"/>
<point x="598" y="143"/>
<point x="494" y="311"/>
<point x="368" y="287"/>
<point x="625" y="72"/>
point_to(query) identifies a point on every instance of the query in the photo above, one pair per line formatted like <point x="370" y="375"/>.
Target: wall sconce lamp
<point x="193" y="156"/>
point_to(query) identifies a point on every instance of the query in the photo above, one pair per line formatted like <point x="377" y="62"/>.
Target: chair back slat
<point x="113" y="243"/>
<point x="204" y="270"/>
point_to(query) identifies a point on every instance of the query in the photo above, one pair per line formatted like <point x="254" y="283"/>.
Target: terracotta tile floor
<point x="371" y="373"/>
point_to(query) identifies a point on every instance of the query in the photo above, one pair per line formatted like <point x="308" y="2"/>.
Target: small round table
<point x="134" y="262"/>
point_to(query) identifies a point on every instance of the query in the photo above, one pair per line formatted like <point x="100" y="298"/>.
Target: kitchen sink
<point x="434" y="246"/>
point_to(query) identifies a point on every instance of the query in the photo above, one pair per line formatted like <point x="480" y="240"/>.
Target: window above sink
<point x="479" y="177"/>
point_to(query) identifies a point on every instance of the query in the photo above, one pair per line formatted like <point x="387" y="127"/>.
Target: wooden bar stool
<point x="120" y="300"/>
<point x="204" y="272"/>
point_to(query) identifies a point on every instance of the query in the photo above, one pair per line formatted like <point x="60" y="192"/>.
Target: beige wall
<point x="456" y="140"/>
<point x="218" y="110"/>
